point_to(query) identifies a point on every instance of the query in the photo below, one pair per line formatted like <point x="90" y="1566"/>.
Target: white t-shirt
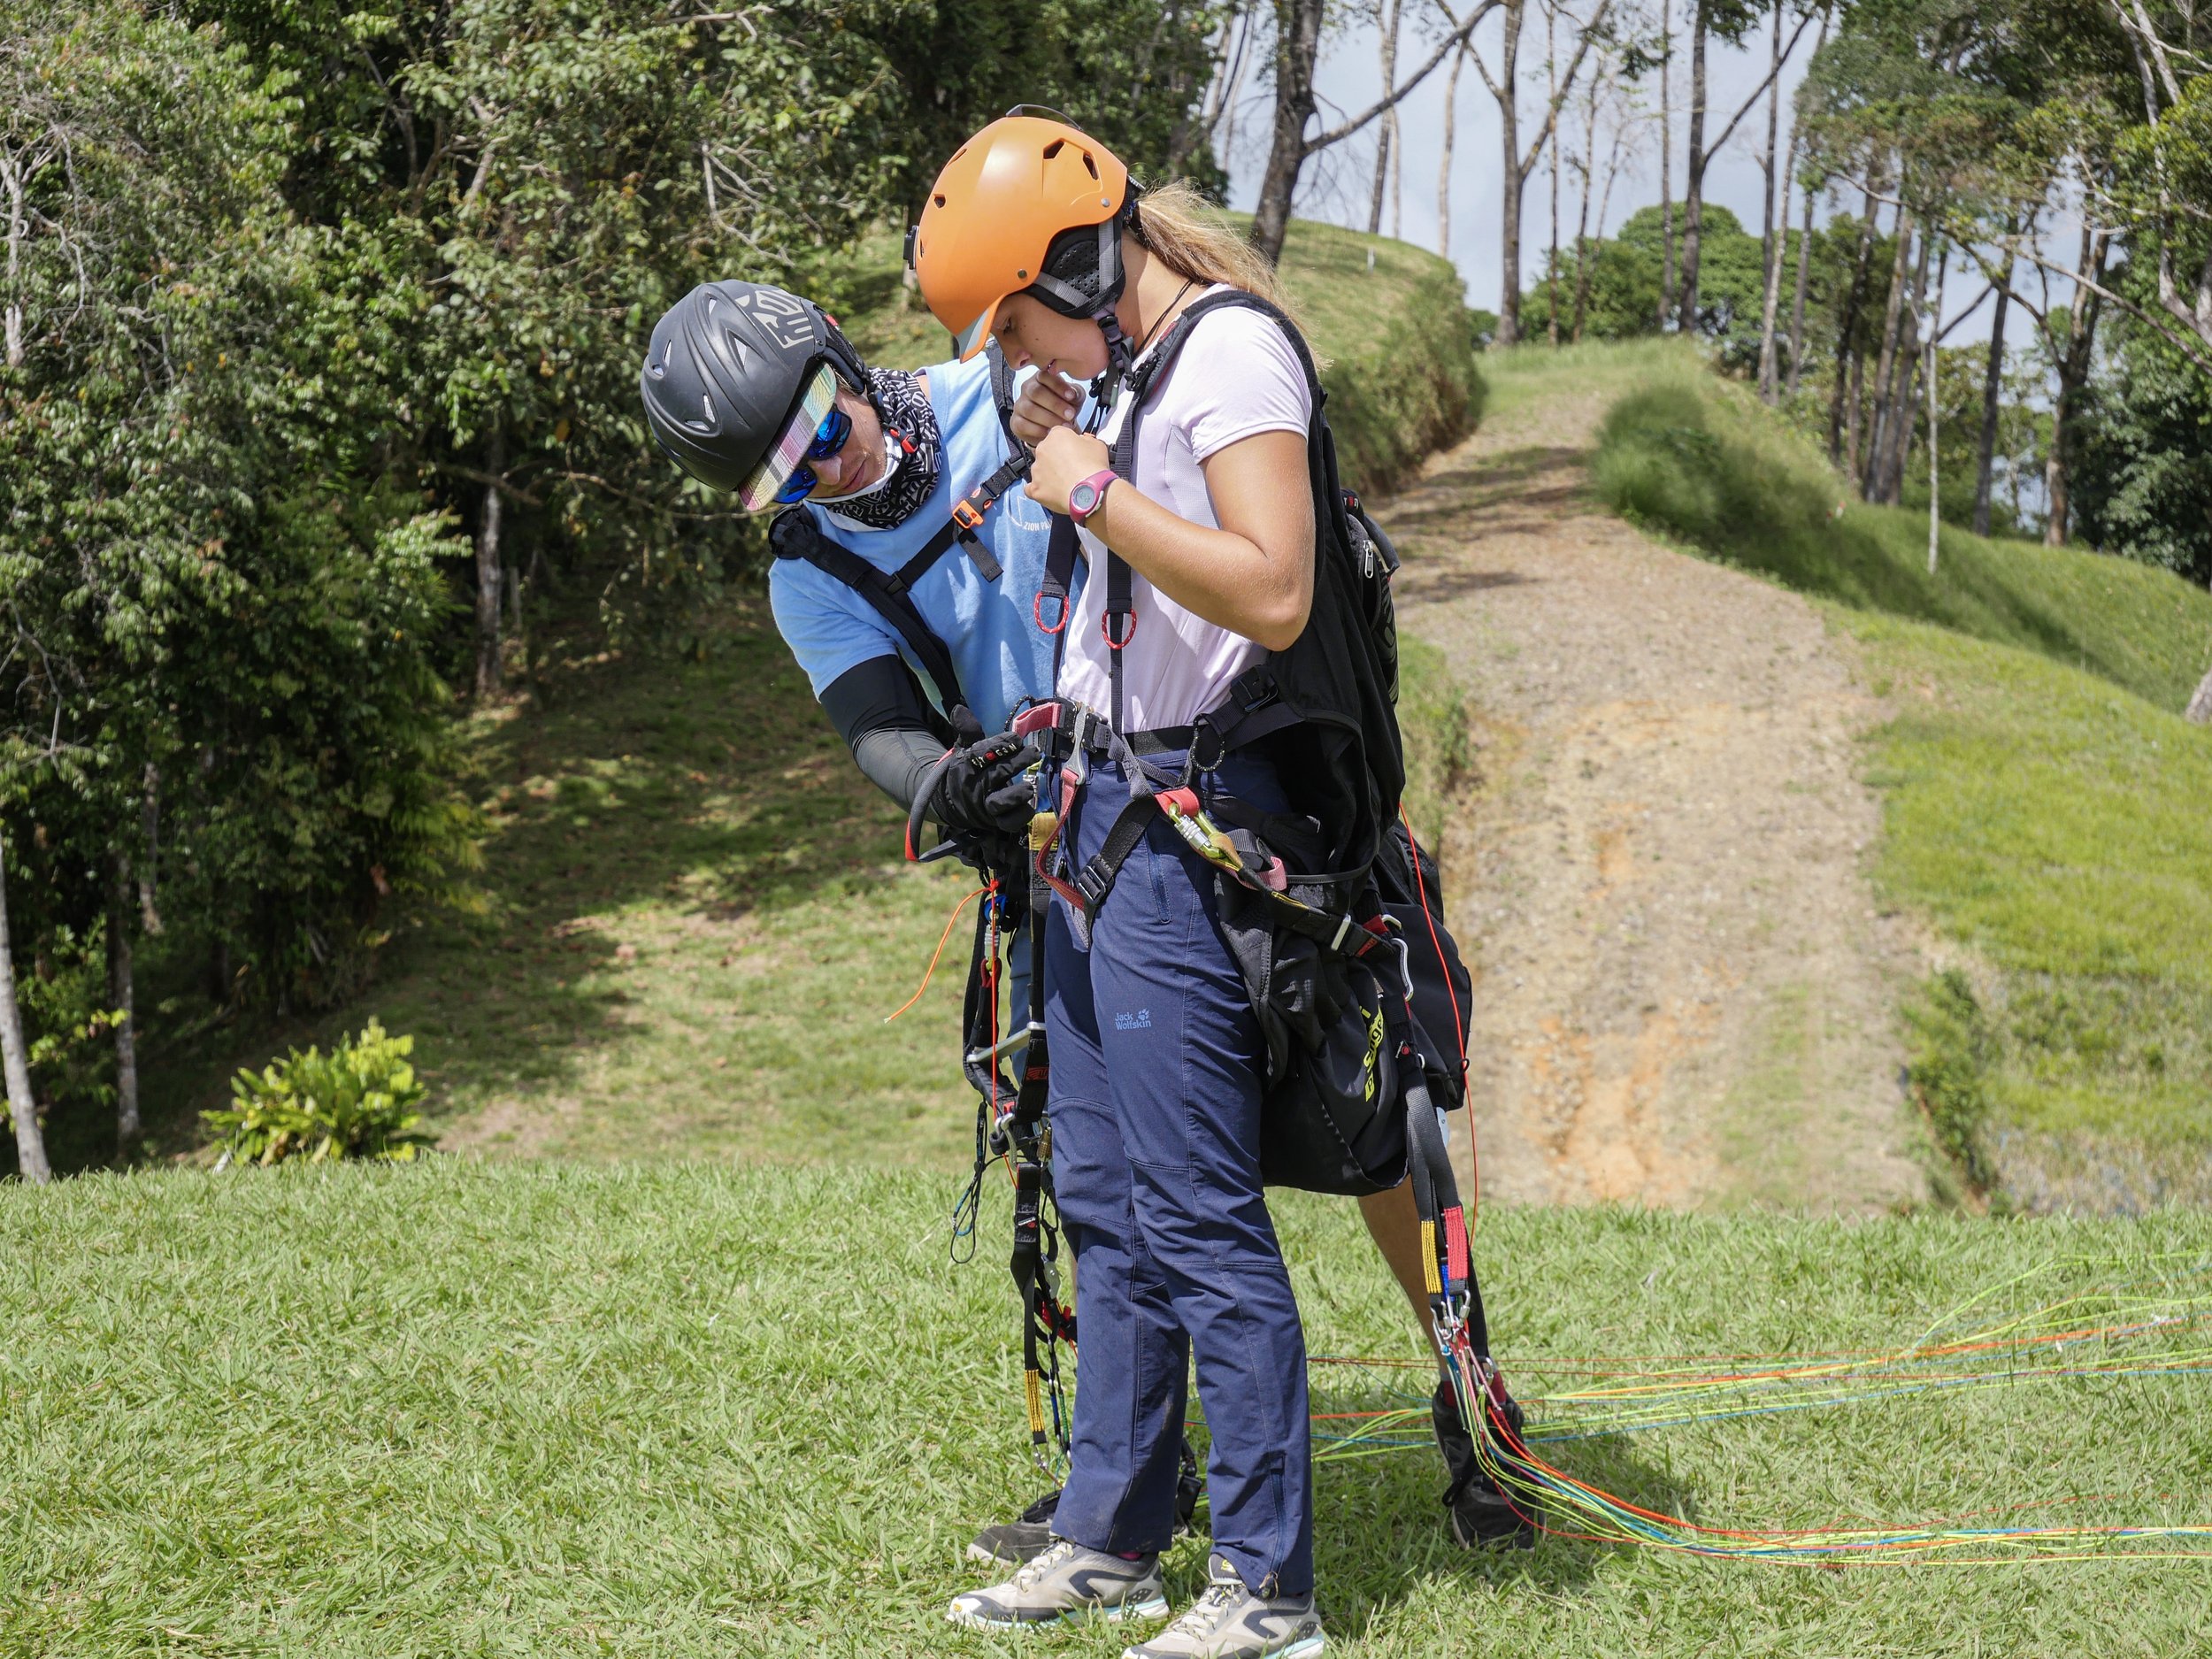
<point x="1235" y="376"/>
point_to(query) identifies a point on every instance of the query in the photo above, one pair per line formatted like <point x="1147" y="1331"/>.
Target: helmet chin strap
<point x="1119" y="356"/>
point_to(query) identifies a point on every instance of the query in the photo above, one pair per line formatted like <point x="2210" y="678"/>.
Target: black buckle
<point x="1254" y="689"/>
<point x="1094" y="884"/>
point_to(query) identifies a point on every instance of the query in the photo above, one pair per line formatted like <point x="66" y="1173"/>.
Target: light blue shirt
<point x="990" y="628"/>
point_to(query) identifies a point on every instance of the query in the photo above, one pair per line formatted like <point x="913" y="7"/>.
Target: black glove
<point x="986" y="789"/>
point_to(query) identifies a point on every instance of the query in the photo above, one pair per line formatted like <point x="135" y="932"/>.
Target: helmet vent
<point x="940" y="200"/>
<point x="1089" y="163"/>
<point x="1055" y="147"/>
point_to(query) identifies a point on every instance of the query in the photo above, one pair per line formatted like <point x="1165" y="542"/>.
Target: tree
<point x="1731" y="20"/>
<point x="1518" y="163"/>
<point x="1297" y="46"/>
<point x="15" y="1069"/>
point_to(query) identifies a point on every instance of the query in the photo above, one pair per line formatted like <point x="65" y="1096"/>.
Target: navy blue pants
<point x="1156" y="1132"/>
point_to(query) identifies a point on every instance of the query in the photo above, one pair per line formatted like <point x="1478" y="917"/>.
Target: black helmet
<point x="729" y="366"/>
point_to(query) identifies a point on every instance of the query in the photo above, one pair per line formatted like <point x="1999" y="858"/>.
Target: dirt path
<point x="1684" y="996"/>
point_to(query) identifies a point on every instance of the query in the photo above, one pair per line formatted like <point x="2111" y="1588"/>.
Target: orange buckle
<point x="966" y="514"/>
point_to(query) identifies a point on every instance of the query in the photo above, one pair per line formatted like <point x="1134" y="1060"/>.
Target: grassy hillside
<point x="2045" y="800"/>
<point x="543" y="1412"/>
<point x="1401" y="370"/>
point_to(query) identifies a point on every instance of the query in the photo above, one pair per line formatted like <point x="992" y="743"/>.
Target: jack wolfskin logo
<point x="1141" y="1020"/>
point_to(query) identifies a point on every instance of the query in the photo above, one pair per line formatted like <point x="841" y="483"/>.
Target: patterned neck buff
<point x="914" y="454"/>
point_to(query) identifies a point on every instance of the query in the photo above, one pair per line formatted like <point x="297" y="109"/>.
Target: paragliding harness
<point x="1009" y="1116"/>
<point x="1324" y="907"/>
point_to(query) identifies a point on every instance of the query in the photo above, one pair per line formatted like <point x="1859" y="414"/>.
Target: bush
<point x="1953" y="1049"/>
<point x="357" y="1102"/>
<point x="1415" y="391"/>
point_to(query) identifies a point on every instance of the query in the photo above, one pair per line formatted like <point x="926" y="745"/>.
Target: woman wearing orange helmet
<point x="1202" y="561"/>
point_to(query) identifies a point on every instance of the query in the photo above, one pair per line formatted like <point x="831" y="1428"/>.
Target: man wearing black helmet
<point x="753" y="389"/>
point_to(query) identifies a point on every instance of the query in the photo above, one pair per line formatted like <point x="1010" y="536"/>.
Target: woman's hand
<point x="1066" y="458"/>
<point x="1049" y="400"/>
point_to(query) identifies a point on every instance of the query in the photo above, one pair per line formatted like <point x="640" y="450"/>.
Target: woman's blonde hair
<point x="1180" y="226"/>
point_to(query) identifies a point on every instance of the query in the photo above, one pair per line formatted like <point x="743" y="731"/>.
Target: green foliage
<point x="1696" y="459"/>
<point x="357" y="1102"/>
<point x="2141" y="479"/>
<point x="1951" y="1052"/>
<point x="1436" y="721"/>
<point x="577" y="1390"/>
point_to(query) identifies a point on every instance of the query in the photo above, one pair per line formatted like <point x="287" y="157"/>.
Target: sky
<point x="1337" y="184"/>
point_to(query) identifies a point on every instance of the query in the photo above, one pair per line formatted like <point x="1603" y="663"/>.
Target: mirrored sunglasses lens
<point x="830" y="436"/>
<point x="797" y="487"/>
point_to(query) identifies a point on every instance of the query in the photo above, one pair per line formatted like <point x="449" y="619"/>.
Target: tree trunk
<point x="1693" y="184"/>
<point x="123" y="1001"/>
<point x="1846" y="339"/>
<point x="1508" y="93"/>
<point x="1904" y="413"/>
<point x="2073" y="373"/>
<point x="1444" y="167"/>
<point x="1297" y="41"/>
<point x="1666" y="164"/>
<point x="489" y="584"/>
<point x="1558" y="142"/>
<point x="1797" y="303"/>
<point x="1993" y="391"/>
<point x="1770" y="255"/>
<point x="1885" y="364"/>
<point x="1857" y="407"/>
<point x="18" y="227"/>
<point x="1935" y="324"/>
<point x="15" y="1058"/>
<point x="1387" y="129"/>
<point x="1582" y="220"/>
<point x="2200" y="711"/>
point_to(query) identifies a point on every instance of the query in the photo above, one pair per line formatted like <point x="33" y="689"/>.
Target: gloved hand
<point x="987" y="790"/>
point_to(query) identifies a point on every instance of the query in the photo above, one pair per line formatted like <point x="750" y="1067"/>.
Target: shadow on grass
<point x="694" y="794"/>
<point x="1381" y="1532"/>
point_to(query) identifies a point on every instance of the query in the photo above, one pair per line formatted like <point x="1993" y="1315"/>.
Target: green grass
<point x="538" y="1410"/>
<point x="2046" y="802"/>
<point x="1701" y="460"/>
<point x="698" y="921"/>
<point x="1400" y="370"/>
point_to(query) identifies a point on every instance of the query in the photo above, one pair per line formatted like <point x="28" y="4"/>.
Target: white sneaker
<point x="1066" y="1581"/>
<point x="1229" y="1622"/>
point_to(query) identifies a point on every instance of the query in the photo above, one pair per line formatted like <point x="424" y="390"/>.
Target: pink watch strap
<point x="1097" y="482"/>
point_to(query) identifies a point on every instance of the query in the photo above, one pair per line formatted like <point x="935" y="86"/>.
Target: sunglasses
<point x="815" y="430"/>
<point x="829" y="438"/>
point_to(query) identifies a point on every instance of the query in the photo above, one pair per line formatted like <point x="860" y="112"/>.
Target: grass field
<point x="544" y="1410"/>
<point x="2045" y="799"/>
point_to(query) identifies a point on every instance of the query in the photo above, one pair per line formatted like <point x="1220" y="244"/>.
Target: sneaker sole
<point x="1155" y="1607"/>
<point x="1304" y="1648"/>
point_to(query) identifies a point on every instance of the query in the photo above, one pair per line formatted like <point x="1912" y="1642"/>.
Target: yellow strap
<point x="1036" y="1406"/>
<point x="1428" y="1258"/>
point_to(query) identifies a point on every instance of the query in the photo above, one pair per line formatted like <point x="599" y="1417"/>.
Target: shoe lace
<point x="1206" y="1612"/>
<point x="1029" y="1572"/>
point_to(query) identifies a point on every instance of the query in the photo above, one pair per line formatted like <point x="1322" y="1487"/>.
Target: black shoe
<point x="1029" y="1533"/>
<point x="1482" y="1518"/>
<point x="1017" y="1540"/>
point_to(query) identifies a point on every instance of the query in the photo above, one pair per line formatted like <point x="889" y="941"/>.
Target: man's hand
<point x="987" y="790"/>
<point x="1049" y="400"/>
<point x="1066" y="458"/>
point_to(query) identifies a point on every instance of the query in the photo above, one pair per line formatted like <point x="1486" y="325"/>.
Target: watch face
<point x="1084" y="498"/>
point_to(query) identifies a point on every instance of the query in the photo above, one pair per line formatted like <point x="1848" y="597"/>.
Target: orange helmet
<point x="998" y="208"/>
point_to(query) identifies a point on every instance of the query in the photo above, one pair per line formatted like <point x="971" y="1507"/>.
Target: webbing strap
<point x="794" y="535"/>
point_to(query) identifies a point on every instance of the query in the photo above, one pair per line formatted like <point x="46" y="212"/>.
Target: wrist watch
<point x="1083" y="500"/>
